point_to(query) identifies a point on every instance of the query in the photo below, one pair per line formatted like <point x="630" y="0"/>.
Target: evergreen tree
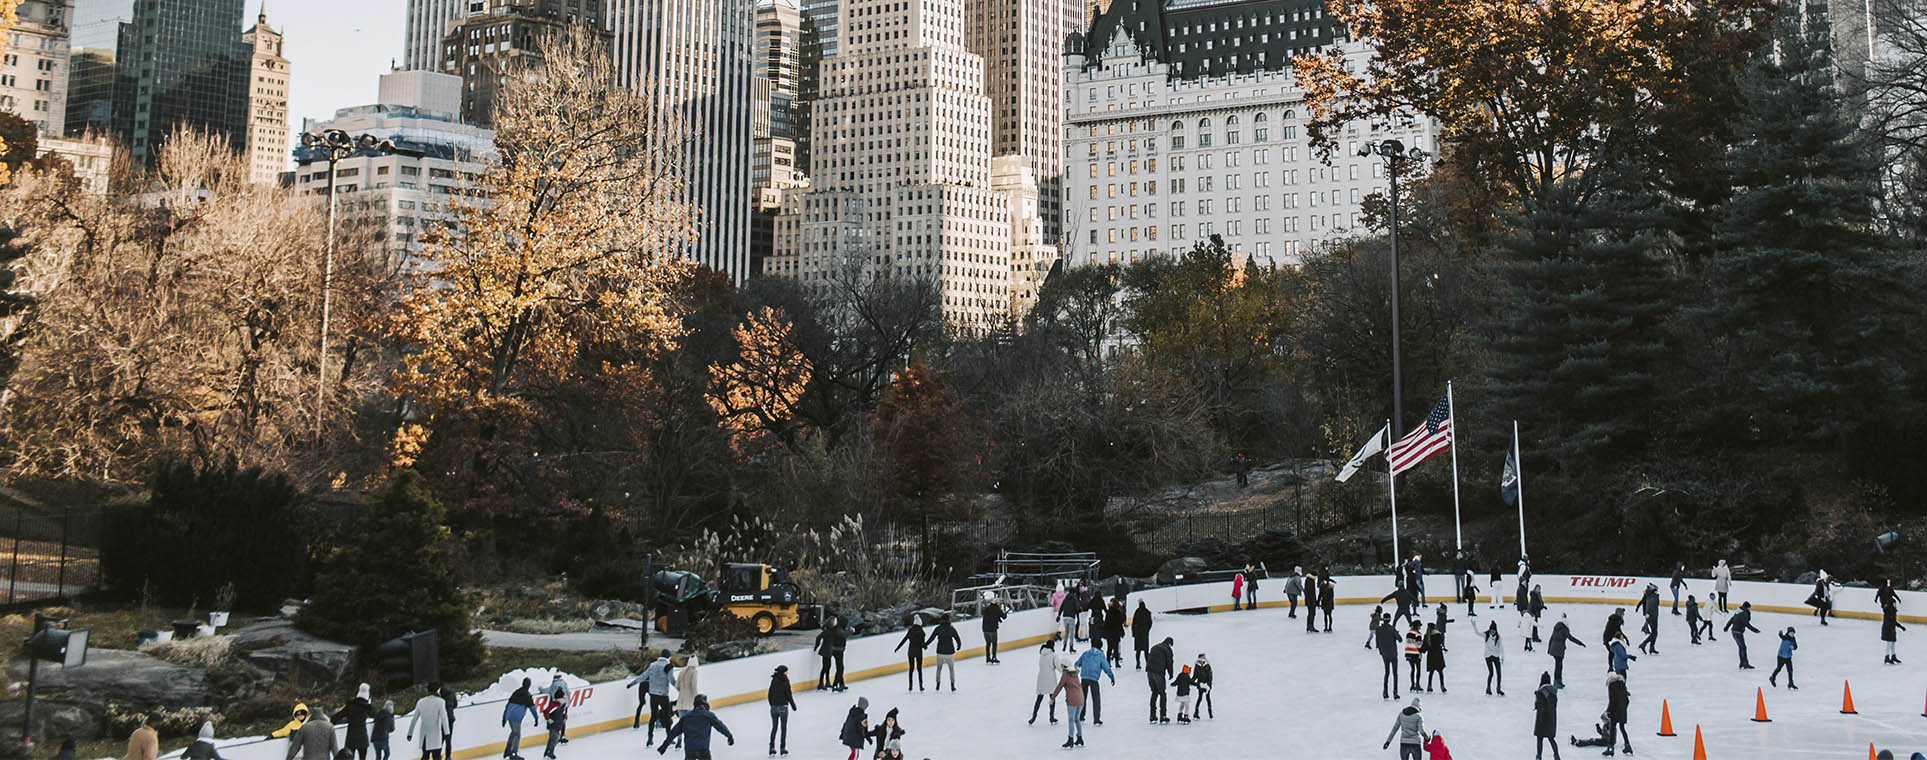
<point x="396" y="574"/>
<point x="1807" y="311"/>
<point x="15" y="306"/>
<point x="1581" y="338"/>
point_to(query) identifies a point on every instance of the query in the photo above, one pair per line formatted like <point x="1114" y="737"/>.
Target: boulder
<point x="53" y="721"/>
<point x="127" y="678"/>
<point x="606" y="609"/>
<point x="276" y="646"/>
<point x="1807" y="578"/>
<point x="1188" y="566"/>
<point x="730" y="650"/>
<point x="931" y="615"/>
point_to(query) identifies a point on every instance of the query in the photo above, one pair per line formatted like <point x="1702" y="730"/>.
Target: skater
<point x="1494" y="659"/>
<point x="889" y="732"/>
<point x="1561" y="635"/>
<point x="1092" y="664"/>
<point x="1414" y="651"/>
<point x="1157" y="668"/>
<point x="948" y="640"/>
<point x="1371" y="627"/>
<point x="1046" y="682"/>
<point x="431" y="715"/>
<point x="1545" y="720"/>
<point x="1528" y="630"/>
<point x="1889" y="627"/>
<point x="913" y="674"/>
<point x="355" y="715"/>
<point x="1619" y="656"/>
<point x="781" y="704"/>
<point x="1311" y="602"/>
<point x="1140" y="634"/>
<point x="556" y="712"/>
<point x="1521" y="599"/>
<point x="1615" y="624"/>
<point x="1238" y="591"/>
<point x="1495" y="586"/>
<point x="1068" y="683"/>
<point x="652" y="687"/>
<point x="1722" y="583"/>
<point x="1649" y="607"/>
<point x="1388" y="646"/>
<point x="1434" y="657"/>
<point x="688" y="685"/>
<point x="1327" y="596"/>
<point x="856" y="727"/>
<point x="1115" y="621"/>
<point x="1787" y="645"/>
<point x="1616" y="700"/>
<point x="1470" y="581"/>
<point x="1822" y="598"/>
<point x="1185" y="695"/>
<point x="1435" y="749"/>
<point x="1739" y="624"/>
<point x="1696" y="621"/>
<point x="201" y="749"/>
<point x="380" y="729"/>
<point x="521" y="705"/>
<point x="1440" y="620"/>
<point x="693" y="729"/>
<point x="1251" y="587"/>
<point x="1460" y="579"/>
<point x="1886" y="596"/>
<point x="1678" y="583"/>
<point x="1536" y="603"/>
<point x="315" y="740"/>
<point x="1294" y="586"/>
<point x="1604" y="733"/>
<point x="1409" y="729"/>
<point x="830" y="645"/>
<point x="1415" y="570"/>
<point x="993" y="617"/>
<point x="1201" y="677"/>
<point x="1066" y="618"/>
<point x="1403" y="600"/>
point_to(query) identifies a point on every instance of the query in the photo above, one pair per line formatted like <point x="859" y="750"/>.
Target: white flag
<point x="1367" y="451"/>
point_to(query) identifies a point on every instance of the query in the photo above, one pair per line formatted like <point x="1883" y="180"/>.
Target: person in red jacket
<point x="1435" y="749"/>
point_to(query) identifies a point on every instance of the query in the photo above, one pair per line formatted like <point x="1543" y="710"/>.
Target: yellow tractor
<point x="761" y="594"/>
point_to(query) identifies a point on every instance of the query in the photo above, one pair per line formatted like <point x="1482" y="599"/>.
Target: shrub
<point x="396" y="575"/>
<point x="207" y="652"/>
<point x="716" y="629"/>
<point x="1216" y="553"/>
<point x="207" y="528"/>
<point x="1277" y="549"/>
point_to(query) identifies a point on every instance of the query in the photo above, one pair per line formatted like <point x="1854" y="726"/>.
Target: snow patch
<point x="539" y="680"/>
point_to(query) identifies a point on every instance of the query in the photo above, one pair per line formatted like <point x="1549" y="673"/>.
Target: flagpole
<point x="1519" y="486"/>
<point x="1391" y="480"/>
<point x="1452" y="413"/>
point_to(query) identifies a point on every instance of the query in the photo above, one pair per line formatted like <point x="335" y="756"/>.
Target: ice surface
<point x="1284" y="693"/>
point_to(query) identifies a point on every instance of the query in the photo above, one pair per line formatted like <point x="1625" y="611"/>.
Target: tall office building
<point x="427" y="24"/>
<point x="1021" y="41"/>
<point x="693" y="58"/>
<point x="773" y="167"/>
<point x="429" y="92"/>
<point x="33" y="64"/>
<point x="181" y="63"/>
<point x="267" y="138"/>
<point x="94" y="80"/>
<point x="816" y="34"/>
<point x="502" y="35"/>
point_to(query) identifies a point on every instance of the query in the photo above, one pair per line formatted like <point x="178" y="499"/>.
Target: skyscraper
<point x="33" y="66"/>
<point x="816" y="33"/>
<point x="1020" y="42"/>
<point x="504" y="34"/>
<point x="94" y="80"/>
<point x="428" y="22"/>
<point x="183" y="64"/>
<point x="267" y="139"/>
<point x="693" y="58"/>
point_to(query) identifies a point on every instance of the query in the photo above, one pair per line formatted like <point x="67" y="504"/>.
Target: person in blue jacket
<point x="521" y="705"/>
<point x="1090" y="665"/>
<point x="1787" y="645"/>
<point x="1619" y="655"/>
<point x="694" y="726"/>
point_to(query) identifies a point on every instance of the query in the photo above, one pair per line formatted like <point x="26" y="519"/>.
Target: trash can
<point x="184" y="629"/>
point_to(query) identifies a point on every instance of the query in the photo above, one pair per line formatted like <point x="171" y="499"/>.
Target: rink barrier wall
<point x="609" y="706"/>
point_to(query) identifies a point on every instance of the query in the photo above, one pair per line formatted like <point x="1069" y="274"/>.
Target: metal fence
<point x="48" y="557"/>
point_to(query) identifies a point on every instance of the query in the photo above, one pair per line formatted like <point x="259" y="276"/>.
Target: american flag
<point x="1431" y="437"/>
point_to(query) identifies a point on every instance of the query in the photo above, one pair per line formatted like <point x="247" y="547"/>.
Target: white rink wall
<point x="608" y="706"/>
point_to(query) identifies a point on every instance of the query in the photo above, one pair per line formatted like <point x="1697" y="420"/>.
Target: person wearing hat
<point x="993" y="618"/>
<point x="201" y="749"/>
<point x="294" y="723"/>
<point x="355" y="715"/>
<point x="315" y="740"/>
<point x="381" y="727"/>
<point x="556" y="712"/>
<point x="781" y="703"/>
<point x="1294" y="585"/>
<point x="1739" y="624"/>
<point x="1616" y="700"/>
<point x="521" y="705"/>
<point x="1649" y="606"/>
<point x="1201" y="676"/>
<point x="856" y="727"/>
<point x="1619" y="655"/>
<point x="652" y="690"/>
<point x="1556" y="646"/>
<point x="1184" y="683"/>
<point x="1071" y="686"/>
<point x="693" y="727"/>
<point x="889" y="732"/>
<point x="1545" y="717"/>
<point x="1409" y="729"/>
<point x="1787" y="645"/>
<point x="1046" y="680"/>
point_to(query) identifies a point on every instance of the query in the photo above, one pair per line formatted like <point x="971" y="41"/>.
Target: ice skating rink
<point x="1282" y="692"/>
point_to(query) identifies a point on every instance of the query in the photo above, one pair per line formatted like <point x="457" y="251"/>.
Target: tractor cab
<point x="761" y="594"/>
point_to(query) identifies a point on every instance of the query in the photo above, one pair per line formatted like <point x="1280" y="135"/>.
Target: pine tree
<point x="15" y="306"/>
<point x="1581" y="336"/>
<point x="395" y="574"/>
<point x="1807" y="312"/>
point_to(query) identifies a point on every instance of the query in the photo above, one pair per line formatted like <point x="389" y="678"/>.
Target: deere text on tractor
<point x="761" y="594"/>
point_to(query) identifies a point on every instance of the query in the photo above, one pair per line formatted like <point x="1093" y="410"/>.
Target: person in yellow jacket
<point x="300" y="717"/>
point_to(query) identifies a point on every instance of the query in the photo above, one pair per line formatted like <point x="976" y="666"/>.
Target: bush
<point x="1279" y="550"/>
<point x="716" y="629"/>
<point x="1216" y="553"/>
<point x="396" y="575"/>
<point x="611" y="579"/>
<point x="206" y="528"/>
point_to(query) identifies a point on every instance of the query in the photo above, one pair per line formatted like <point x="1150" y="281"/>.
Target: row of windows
<point x="1335" y="224"/>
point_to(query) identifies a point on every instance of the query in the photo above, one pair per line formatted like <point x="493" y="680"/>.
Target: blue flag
<point x="1509" y="480"/>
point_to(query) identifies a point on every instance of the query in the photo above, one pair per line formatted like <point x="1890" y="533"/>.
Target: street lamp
<point x="332" y="145"/>
<point x="1395" y="155"/>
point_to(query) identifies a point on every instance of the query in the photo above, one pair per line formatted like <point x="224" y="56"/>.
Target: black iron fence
<point x="48" y="557"/>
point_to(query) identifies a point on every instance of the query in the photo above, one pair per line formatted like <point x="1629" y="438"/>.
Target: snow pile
<point x="539" y="680"/>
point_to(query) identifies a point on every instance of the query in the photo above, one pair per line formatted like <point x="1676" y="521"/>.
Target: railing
<point x="48" y="558"/>
<point x="1047" y="569"/>
<point x="1015" y="598"/>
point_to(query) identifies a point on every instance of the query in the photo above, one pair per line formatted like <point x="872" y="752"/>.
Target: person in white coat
<point x="1046" y="682"/>
<point x="1494" y="659"/>
<point x="1722" y="583"/>
<point x="1528" y="630"/>
<point x="687" y="688"/>
<point x="431" y="720"/>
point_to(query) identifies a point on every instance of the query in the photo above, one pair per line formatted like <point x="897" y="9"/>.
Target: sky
<point x="337" y="50"/>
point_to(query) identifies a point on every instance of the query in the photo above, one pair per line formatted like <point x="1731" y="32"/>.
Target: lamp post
<point x="1395" y="154"/>
<point x="331" y="145"/>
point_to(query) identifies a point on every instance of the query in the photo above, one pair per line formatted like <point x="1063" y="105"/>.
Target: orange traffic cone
<point x="1665" y="720"/>
<point x="1871" y="754"/>
<point x="1846" y="705"/>
<point x="1759" y="706"/>
<point x="1699" y="745"/>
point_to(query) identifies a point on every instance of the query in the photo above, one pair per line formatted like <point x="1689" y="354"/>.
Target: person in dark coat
<point x="1157" y="670"/>
<point x="913" y="637"/>
<point x="1649" y="605"/>
<point x="1434" y="657"/>
<point x="782" y="702"/>
<point x="1440" y="620"/>
<point x="1694" y="620"/>
<point x="1388" y="642"/>
<point x="1327" y="596"/>
<point x="856" y="727"/>
<point x="380" y="727"/>
<point x="1470" y="588"/>
<point x="1889" y="627"/>
<point x="1739" y="624"/>
<point x="1115" y="621"/>
<point x="1140" y="634"/>
<point x="1556" y="646"/>
<point x="1616" y="699"/>
<point x="890" y="730"/>
<point x="1311" y="602"/>
<point x="1459" y="578"/>
<point x="947" y="642"/>
<point x="355" y="716"/>
<point x="1885" y="596"/>
<point x="1678" y="584"/>
<point x="993" y="617"/>
<point x="1402" y="601"/>
<point x="830" y="645"/>
<point x="447" y="693"/>
<point x="1202" y="677"/>
<point x="521" y="705"/>
<point x="1615" y="625"/>
<point x="1536" y="603"/>
<point x="1545" y="717"/>
<point x="693" y="727"/>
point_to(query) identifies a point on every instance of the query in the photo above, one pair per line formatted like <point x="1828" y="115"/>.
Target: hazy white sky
<point x="337" y="50"/>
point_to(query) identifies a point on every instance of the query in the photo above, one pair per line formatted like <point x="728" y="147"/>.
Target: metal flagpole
<point x="1519" y="486"/>
<point x="1452" y="417"/>
<point x="1391" y="479"/>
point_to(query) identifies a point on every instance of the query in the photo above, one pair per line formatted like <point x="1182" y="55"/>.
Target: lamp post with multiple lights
<point x="332" y="146"/>
<point x="1396" y="155"/>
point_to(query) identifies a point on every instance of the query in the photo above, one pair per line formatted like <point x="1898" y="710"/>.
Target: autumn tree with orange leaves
<point x="756" y="395"/>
